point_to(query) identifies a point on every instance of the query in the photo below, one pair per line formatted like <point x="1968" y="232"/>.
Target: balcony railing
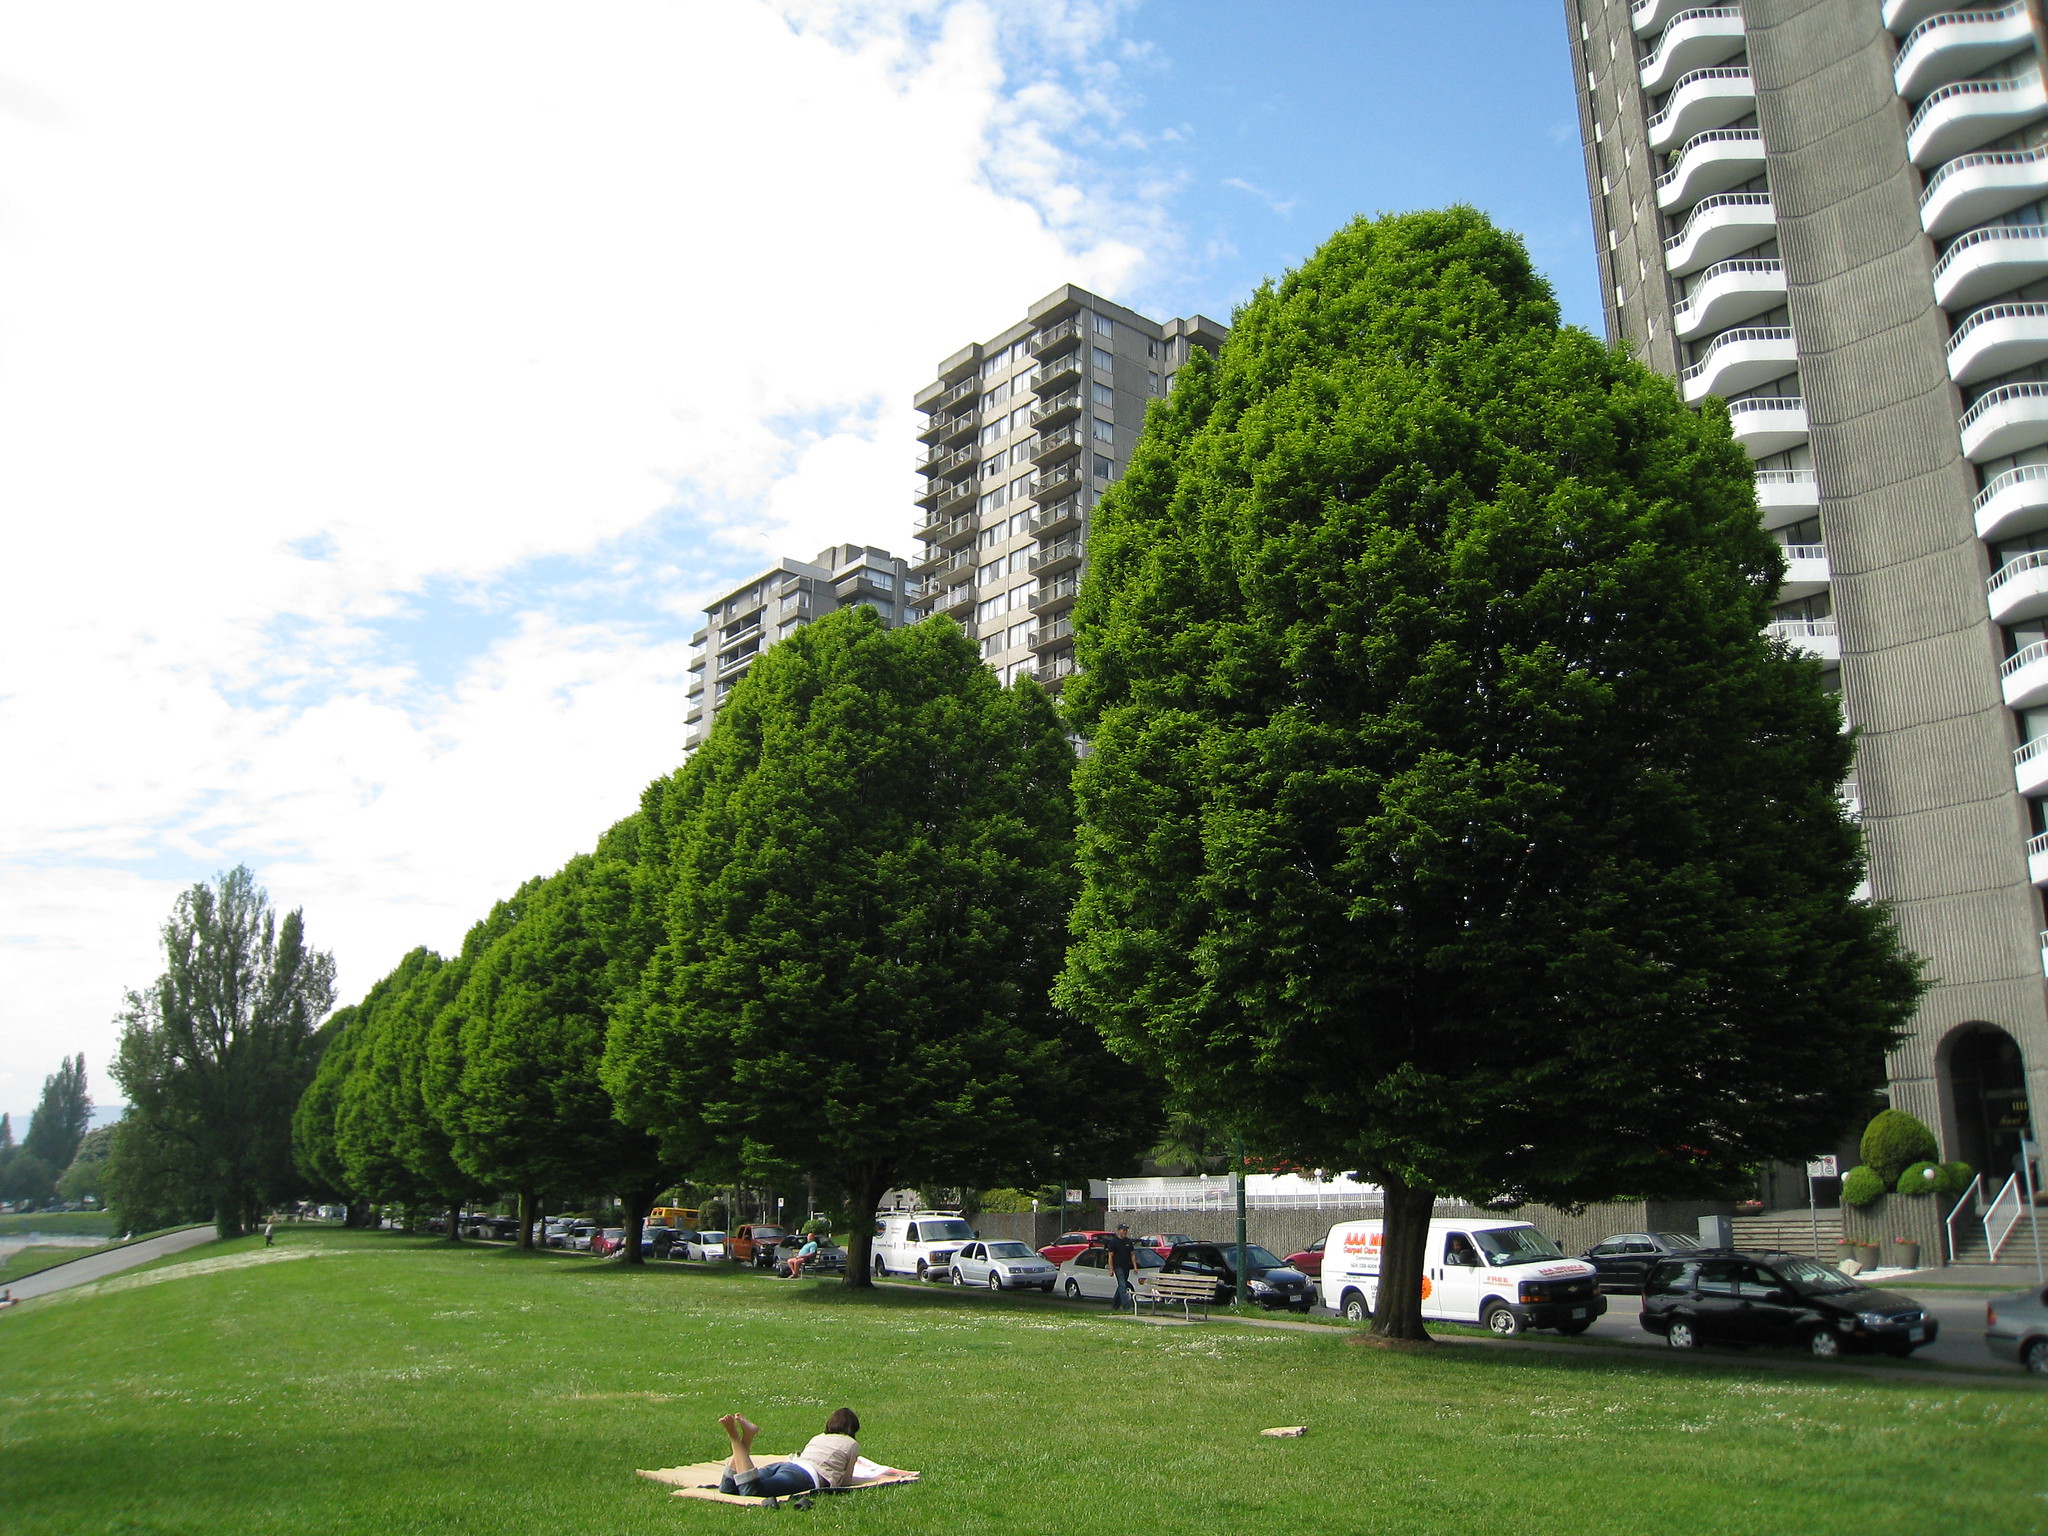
<point x="1683" y="159"/>
<point x="1953" y="257"/>
<point x="2024" y="657"/>
<point x="1068" y="329"/>
<point x="1987" y="90"/>
<point x="1963" y="163"/>
<point x="2037" y="845"/>
<point x="1801" y="629"/>
<point x="1056" y="553"/>
<point x="1055" y="514"/>
<point x="1053" y="444"/>
<point x="1735" y="338"/>
<point x="1674" y="105"/>
<point x="1991" y="400"/>
<point x="1904" y="64"/>
<point x="2033" y="560"/>
<point x="966" y="389"/>
<point x="1990" y="314"/>
<point x="1648" y="64"/>
<point x="2023" y="755"/>
<point x="1055" y="669"/>
<point x="1719" y="200"/>
<point x="1805" y="551"/>
<point x="2011" y="477"/>
<point x="1060" y="629"/>
<point x="1699" y="298"/>
<point x="1058" y="405"/>
<point x="946" y="460"/>
<point x="1055" y="592"/>
<point x="1786" y="476"/>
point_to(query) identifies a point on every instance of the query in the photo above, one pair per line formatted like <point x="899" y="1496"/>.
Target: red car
<point x="608" y="1241"/>
<point x="1309" y="1261"/>
<point x="1165" y="1242"/>
<point x="1067" y="1244"/>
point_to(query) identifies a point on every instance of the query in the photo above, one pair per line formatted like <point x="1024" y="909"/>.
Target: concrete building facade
<point x="1023" y="433"/>
<point x="778" y="602"/>
<point x="1833" y="215"/>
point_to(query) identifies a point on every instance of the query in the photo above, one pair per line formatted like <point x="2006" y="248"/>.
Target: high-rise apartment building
<point x="1833" y="215"/>
<point x="778" y="602"/>
<point x="1024" y="432"/>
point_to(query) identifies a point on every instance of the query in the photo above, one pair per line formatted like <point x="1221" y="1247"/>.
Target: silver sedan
<point x="1001" y="1266"/>
<point x="2016" y="1328"/>
<point x="1087" y="1273"/>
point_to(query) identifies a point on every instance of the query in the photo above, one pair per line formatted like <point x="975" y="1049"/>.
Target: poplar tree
<point x="61" y="1118"/>
<point x="1449" y="818"/>
<point x="872" y="867"/>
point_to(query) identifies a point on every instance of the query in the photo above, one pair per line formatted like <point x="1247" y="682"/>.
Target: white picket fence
<point x="1262" y="1191"/>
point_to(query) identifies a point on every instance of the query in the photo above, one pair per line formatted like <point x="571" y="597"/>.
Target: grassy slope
<point x="393" y="1386"/>
<point x="24" y="1262"/>
<point x="64" y="1223"/>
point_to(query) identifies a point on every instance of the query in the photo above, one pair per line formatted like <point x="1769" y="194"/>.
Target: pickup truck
<point x="754" y="1244"/>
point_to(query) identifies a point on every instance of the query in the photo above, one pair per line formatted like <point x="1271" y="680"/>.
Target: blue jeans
<point x="1122" y="1298"/>
<point x="777" y="1480"/>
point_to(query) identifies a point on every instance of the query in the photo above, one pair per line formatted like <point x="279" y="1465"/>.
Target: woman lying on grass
<point x="827" y="1462"/>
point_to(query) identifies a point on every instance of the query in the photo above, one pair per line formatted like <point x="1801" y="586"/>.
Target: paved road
<point x="100" y="1265"/>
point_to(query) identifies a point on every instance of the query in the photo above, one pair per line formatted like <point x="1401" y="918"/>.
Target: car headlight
<point x="1260" y="1287"/>
<point x="1873" y="1319"/>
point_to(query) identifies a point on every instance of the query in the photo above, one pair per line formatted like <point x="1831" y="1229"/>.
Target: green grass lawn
<point x="61" y="1224"/>
<point x="390" y="1385"/>
<point x="24" y="1262"/>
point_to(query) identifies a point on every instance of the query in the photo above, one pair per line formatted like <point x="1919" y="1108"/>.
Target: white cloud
<point x="386" y="385"/>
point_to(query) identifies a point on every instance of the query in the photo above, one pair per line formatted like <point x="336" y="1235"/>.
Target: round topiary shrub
<point x="1894" y="1141"/>
<point x="1921" y="1179"/>
<point x="1862" y="1186"/>
<point x="1955" y="1178"/>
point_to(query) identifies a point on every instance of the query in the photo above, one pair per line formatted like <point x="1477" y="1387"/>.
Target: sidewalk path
<point x="98" y="1266"/>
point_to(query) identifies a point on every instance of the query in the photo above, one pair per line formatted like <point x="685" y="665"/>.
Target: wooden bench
<point x="1188" y="1290"/>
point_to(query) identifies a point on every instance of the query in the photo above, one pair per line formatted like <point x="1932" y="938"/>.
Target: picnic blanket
<point x="700" y="1479"/>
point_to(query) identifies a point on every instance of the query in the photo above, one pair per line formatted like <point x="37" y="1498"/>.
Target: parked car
<point x="920" y="1243"/>
<point x="1268" y="1282"/>
<point x="554" y="1232"/>
<point x="2016" y="1328"/>
<point x="754" y="1243"/>
<point x="581" y="1236"/>
<point x="1725" y="1295"/>
<point x="1626" y="1259"/>
<point x="830" y="1259"/>
<point x="702" y="1246"/>
<point x="1087" y="1274"/>
<point x="1503" y="1274"/>
<point x="1067" y="1244"/>
<point x="607" y="1241"/>
<point x="1003" y="1266"/>
<point x="1308" y="1260"/>
<point x="1166" y="1242"/>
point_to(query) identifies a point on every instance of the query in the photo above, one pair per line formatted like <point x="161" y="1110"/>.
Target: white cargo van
<point x="1505" y="1274"/>
<point x="920" y="1243"/>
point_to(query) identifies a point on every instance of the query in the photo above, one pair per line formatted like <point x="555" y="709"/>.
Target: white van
<point x="920" y="1243"/>
<point x="1505" y="1274"/>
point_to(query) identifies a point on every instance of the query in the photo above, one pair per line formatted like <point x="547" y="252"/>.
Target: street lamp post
<point x="1243" y="1293"/>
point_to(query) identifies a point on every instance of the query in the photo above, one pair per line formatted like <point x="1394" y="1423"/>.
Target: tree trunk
<point x="1397" y="1314"/>
<point x="455" y="1222"/>
<point x="866" y="1193"/>
<point x="360" y="1216"/>
<point x="636" y="1202"/>
<point x="526" y="1221"/>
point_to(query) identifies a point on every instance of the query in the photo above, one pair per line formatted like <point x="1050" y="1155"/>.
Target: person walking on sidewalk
<point x="1123" y="1258"/>
<point x="269" y="1233"/>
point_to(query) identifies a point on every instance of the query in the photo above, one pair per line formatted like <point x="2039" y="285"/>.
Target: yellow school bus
<point x="673" y="1216"/>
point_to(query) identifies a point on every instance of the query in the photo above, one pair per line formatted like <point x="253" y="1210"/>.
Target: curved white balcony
<point x="1962" y="116"/>
<point x="1999" y="338"/>
<point x="2037" y="859"/>
<point x="1708" y="163"/>
<point x="1703" y="99"/>
<point x="1786" y="495"/>
<point x="1728" y="293"/>
<point x="1717" y="228"/>
<point x="2005" y="420"/>
<point x="2023" y="677"/>
<point x="1953" y="45"/>
<point x="1990" y="261"/>
<point x="1738" y="360"/>
<point x="1647" y="16"/>
<point x="1810" y="637"/>
<point x="1692" y="40"/>
<point x="1972" y="189"/>
<point x="1768" y="424"/>
<point x="1902" y="16"/>
<point x="2030" y="777"/>
<point x="2013" y="503"/>
<point x="1806" y="571"/>
<point x="2018" y="589"/>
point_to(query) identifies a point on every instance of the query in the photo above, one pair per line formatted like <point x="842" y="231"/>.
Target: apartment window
<point x="990" y="500"/>
<point x="1020" y="560"/>
<point x="991" y="537"/>
<point x="1102" y="394"/>
<point x="1017" y="669"/>
<point x="1020" y="597"/>
<point x="990" y="468"/>
<point x="992" y="647"/>
<point x="1151" y="348"/>
<point x="1104" y="432"/>
<point x="996" y="396"/>
<point x="992" y="431"/>
<point x="882" y="579"/>
<point x="1104" y="326"/>
<point x="990" y="607"/>
<point x="1103" y="468"/>
<point x="787" y="628"/>
<point x="1104" y="363"/>
<point x="989" y="574"/>
<point x="1023" y="485"/>
<point x="1020" y="634"/>
<point x="1021" y="454"/>
<point x="1019" y="524"/>
<point x="1152" y="383"/>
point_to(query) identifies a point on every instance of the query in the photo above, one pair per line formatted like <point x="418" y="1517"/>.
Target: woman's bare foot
<point x="748" y="1427"/>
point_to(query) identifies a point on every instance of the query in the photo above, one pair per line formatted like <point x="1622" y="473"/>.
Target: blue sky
<point x="387" y="394"/>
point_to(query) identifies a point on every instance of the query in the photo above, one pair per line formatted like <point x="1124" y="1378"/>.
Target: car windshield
<point x="767" y="1234"/>
<point x="1516" y="1245"/>
<point x="1676" y="1239"/>
<point x="1255" y="1258"/>
<point x="1814" y="1279"/>
<point x="714" y="1237"/>
<point x="945" y="1232"/>
<point x="1010" y="1251"/>
<point x="1149" y="1258"/>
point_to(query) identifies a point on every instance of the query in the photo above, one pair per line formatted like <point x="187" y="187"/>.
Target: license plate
<point x="1920" y="1334"/>
<point x="1578" y="1311"/>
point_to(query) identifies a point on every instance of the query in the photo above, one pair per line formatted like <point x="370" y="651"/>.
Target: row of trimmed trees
<point x="1448" y="818"/>
<point x="826" y="943"/>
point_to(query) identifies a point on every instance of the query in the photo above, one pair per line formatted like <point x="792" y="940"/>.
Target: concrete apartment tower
<point x="774" y="605"/>
<point x="1833" y="214"/>
<point x="1024" y="431"/>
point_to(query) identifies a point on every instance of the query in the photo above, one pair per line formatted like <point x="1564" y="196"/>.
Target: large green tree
<point x="516" y="1055"/>
<point x="1449" y="817"/>
<point x="62" y="1116"/>
<point x="315" y="1123"/>
<point x="214" y="1055"/>
<point x="872" y="869"/>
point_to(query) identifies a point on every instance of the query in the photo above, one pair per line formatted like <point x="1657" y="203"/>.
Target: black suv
<point x="1626" y="1259"/>
<point x="1725" y="1295"/>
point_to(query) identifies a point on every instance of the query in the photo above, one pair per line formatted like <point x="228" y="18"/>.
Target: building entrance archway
<point x="1987" y="1086"/>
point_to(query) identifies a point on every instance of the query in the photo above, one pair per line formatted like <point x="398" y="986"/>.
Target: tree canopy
<point x="61" y="1118"/>
<point x="871" y="875"/>
<point x="1449" y="817"/>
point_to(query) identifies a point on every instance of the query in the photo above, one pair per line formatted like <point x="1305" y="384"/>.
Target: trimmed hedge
<point x="1921" y="1179"/>
<point x="1894" y="1141"/>
<point x="1861" y="1186"/>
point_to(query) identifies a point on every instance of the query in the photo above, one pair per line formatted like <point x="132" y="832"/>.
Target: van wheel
<point x="1355" y="1309"/>
<point x="923" y="1271"/>
<point x="1073" y="1290"/>
<point x="1680" y="1335"/>
<point x="1823" y="1344"/>
<point x="881" y="1270"/>
<point x="1501" y="1321"/>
